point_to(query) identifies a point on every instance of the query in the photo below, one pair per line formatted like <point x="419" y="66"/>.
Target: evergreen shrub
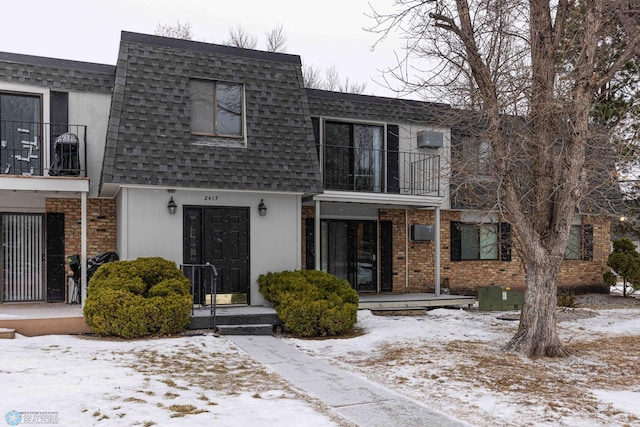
<point x="311" y="302"/>
<point x="141" y="297"/>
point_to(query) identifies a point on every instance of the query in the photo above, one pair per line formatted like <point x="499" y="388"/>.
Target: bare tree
<point x="511" y="62"/>
<point x="313" y="79"/>
<point x="312" y="76"/>
<point x="277" y="39"/>
<point x="177" y="31"/>
<point x="239" y="37"/>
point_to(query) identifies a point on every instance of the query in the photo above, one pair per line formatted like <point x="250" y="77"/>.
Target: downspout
<point x="316" y="236"/>
<point x="406" y="248"/>
<point x="83" y="247"/>
<point x="437" y="251"/>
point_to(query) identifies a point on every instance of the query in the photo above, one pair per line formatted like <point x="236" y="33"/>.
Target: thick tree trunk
<point x="537" y="335"/>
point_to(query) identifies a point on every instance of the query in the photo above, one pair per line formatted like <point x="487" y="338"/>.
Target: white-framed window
<point x="217" y="108"/>
<point x="480" y="241"/>
<point x="580" y="243"/>
<point x="476" y="156"/>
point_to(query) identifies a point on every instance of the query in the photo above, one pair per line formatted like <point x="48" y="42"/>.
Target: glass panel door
<point x="22" y="257"/>
<point x="353" y="155"/>
<point x="367" y="153"/>
<point x="20" y="135"/>
<point x="349" y="251"/>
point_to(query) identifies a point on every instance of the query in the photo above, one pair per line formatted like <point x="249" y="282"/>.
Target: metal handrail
<point x="367" y="169"/>
<point x="212" y="289"/>
<point x="41" y="149"/>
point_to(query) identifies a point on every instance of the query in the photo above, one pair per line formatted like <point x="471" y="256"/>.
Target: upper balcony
<point x="43" y="149"/>
<point x="369" y="170"/>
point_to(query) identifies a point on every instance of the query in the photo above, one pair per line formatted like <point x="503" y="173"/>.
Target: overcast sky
<point x="325" y="33"/>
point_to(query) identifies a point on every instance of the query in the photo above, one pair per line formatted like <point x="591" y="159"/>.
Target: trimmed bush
<point x="311" y="302"/>
<point x="142" y="297"/>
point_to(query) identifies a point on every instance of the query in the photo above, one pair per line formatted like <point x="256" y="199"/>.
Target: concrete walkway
<point x="352" y="397"/>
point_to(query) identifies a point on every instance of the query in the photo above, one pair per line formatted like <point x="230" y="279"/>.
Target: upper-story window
<point x="475" y="156"/>
<point x="216" y="108"/>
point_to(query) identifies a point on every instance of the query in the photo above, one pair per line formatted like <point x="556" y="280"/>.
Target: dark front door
<point x="219" y="236"/>
<point x="349" y="252"/>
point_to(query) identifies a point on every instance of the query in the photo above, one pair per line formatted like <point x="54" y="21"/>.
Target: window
<point x="476" y="155"/>
<point x="353" y="155"/>
<point x="216" y="108"/>
<point x="580" y="243"/>
<point x="473" y="241"/>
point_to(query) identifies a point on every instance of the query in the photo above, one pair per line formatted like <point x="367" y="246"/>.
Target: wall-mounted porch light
<point x="262" y="208"/>
<point x="171" y="206"/>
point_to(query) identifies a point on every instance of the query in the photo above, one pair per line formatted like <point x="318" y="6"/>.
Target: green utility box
<point x="499" y="298"/>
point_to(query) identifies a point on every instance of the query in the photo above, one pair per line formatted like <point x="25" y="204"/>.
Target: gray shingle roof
<point x="149" y="140"/>
<point x="56" y="74"/>
<point x="366" y="107"/>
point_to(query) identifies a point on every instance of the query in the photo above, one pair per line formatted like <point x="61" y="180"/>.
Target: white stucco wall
<point x="91" y="110"/>
<point x="145" y="227"/>
<point x="85" y="109"/>
<point x="408" y="143"/>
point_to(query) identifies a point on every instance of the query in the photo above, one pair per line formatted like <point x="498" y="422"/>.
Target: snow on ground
<point x="450" y="359"/>
<point x="195" y="381"/>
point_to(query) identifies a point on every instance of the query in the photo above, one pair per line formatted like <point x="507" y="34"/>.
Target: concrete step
<point x="399" y="311"/>
<point x="257" y="329"/>
<point x="7" y="333"/>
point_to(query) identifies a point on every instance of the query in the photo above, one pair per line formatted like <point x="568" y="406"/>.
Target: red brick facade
<point x="414" y="267"/>
<point x="101" y="224"/>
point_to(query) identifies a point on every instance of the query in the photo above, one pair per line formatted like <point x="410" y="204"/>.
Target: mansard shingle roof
<point x="56" y="74"/>
<point x="366" y="107"/>
<point x="149" y="140"/>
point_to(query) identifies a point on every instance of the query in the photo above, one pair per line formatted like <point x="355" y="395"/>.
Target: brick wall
<point x="464" y="277"/>
<point x="101" y="224"/>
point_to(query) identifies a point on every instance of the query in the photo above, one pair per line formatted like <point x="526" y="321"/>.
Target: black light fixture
<point x="262" y="209"/>
<point x="172" y="206"/>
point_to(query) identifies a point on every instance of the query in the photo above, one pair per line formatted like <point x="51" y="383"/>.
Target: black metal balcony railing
<point x="42" y="149"/>
<point x="380" y="171"/>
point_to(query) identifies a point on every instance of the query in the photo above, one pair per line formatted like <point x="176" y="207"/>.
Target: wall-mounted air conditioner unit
<point x="422" y="233"/>
<point x="430" y="139"/>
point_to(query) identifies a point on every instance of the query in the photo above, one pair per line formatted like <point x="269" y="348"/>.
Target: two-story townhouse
<point x="384" y="164"/>
<point x="399" y="210"/>
<point x="209" y="154"/>
<point x="202" y="153"/>
<point x="53" y="122"/>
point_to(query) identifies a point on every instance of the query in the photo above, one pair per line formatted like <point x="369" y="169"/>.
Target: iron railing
<point x="380" y="171"/>
<point x="203" y="278"/>
<point x="42" y="149"/>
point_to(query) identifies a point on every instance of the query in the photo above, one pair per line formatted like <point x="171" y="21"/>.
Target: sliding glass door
<point x="349" y="249"/>
<point x="353" y="157"/>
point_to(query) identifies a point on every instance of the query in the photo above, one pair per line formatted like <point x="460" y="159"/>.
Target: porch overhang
<point x="44" y="184"/>
<point x="379" y="198"/>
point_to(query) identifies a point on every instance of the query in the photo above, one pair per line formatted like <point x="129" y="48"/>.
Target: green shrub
<point x="311" y="302"/>
<point x="609" y="279"/>
<point x="142" y="297"/>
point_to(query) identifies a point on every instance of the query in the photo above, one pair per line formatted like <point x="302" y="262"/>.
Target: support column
<point x="83" y="246"/>
<point x="316" y="236"/>
<point x="437" y="251"/>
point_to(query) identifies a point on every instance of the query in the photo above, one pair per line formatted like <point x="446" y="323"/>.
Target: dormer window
<point x="216" y="108"/>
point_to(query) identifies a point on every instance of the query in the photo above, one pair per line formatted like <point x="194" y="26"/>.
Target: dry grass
<point x="214" y="373"/>
<point x="556" y="388"/>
